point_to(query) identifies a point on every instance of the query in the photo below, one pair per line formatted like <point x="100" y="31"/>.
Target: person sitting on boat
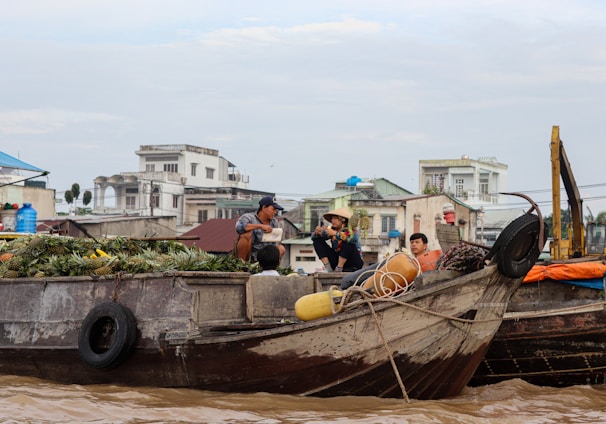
<point x="251" y="227"/>
<point x="337" y="245"/>
<point x="269" y="259"/>
<point x="427" y="258"/>
<point x="418" y="247"/>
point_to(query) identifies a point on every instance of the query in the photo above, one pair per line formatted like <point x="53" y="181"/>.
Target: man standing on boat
<point x="337" y="245"/>
<point x="252" y="226"/>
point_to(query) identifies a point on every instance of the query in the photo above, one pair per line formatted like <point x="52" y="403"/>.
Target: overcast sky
<point x="300" y="94"/>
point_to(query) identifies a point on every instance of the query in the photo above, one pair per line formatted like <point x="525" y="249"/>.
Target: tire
<point x="107" y="336"/>
<point x="518" y="246"/>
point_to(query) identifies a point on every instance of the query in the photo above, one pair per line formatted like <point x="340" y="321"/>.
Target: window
<point x="210" y="173"/>
<point x="194" y="166"/>
<point x="459" y="187"/>
<point x="131" y="202"/>
<point x="202" y="216"/>
<point x="175" y="201"/>
<point x="171" y="167"/>
<point x="150" y="167"/>
<point x="388" y="223"/>
<point x="316" y="213"/>
<point x="305" y="258"/>
<point x="434" y="183"/>
<point x="483" y="184"/>
<point x="155" y="198"/>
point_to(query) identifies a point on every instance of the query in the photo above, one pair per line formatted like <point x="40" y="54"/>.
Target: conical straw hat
<point x="342" y="212"/>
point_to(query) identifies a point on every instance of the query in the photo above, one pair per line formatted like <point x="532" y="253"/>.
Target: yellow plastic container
<point x="318" y="305"/>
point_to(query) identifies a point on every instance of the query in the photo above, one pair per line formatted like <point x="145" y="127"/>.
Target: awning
<point x="7" y="161"/>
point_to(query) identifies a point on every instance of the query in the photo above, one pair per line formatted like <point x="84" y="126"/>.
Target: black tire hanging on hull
<point x="107" y="336"/>
<point x="518" y="247"/>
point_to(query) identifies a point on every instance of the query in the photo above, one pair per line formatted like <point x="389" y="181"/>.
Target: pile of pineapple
<point x="43" y="255"/>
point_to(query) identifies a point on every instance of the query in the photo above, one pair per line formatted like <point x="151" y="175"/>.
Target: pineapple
<point x="14" y="263"/>
<point x="109" y="266"/>
<point x="58" y="265"/>
<point x="54" y="246"/>
<point x="95" y="262"/>
<point x="9" y="273"/>
<point x="104" y="270"/>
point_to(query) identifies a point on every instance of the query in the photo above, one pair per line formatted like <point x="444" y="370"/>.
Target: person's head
<point x="339" y="218"/>
<point x="269" y="257"/>
<point x="418" y="243"/>
<point x="269" y="206"/>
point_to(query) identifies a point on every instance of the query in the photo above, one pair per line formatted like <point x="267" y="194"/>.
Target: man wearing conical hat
<point x="337" y="245"/>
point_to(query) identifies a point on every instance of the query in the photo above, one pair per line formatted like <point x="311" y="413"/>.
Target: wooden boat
<point x="230" y="332"/>
<point x="553" y="332"/>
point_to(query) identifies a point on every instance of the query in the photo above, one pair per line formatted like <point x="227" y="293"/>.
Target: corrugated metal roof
<point x="8" y="161"/>
<point x="216" y="235"/>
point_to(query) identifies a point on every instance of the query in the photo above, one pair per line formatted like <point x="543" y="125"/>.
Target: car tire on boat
<point x="107" y="336"/>
<point x="518" y="247"/>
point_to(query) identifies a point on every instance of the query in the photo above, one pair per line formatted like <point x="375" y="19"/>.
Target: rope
<point x="383" y="277"/>
<point x="389" y="354"/>
<point x="117" y="281"/>
<point x="333" y="303"/>
<point x="367" y="300"/>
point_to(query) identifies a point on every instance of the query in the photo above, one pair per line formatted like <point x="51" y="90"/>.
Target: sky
<point x="302" y="94"/>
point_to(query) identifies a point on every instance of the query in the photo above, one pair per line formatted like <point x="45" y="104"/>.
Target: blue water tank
<point x="26" y="219"/>
<point x="352" y="181"/>
<point x="394" y="234"/>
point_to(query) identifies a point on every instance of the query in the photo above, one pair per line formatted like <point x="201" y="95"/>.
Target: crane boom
<point x="560" y="167"/>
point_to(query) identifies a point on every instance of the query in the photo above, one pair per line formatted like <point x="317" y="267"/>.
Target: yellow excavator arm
<point x="560" y="167"/>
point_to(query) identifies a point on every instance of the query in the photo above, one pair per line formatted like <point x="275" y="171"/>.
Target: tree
<point x="87" y="197"/>
<point x="69" y="197"/>
<point x="76" y="190"/>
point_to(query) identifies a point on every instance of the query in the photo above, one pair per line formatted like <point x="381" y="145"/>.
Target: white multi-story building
<point x="475" y="182"/>
<point x="478" y="183"/>
<point x="166" y="173"/>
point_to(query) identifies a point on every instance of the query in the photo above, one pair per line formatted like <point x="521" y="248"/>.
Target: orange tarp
<point x="571" y="271"/>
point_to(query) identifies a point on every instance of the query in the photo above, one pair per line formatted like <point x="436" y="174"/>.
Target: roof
<point x="335" y="194"/>
<point x="8" y="161"/>
<point x="216" y="235"/>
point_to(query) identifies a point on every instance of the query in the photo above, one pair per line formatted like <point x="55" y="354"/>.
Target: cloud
<point x="46" y="121"/>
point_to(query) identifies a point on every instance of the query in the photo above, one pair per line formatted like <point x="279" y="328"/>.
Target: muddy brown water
<point x="27" y="400"/>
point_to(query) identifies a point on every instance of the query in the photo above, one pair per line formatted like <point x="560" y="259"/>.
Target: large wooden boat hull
<point x="226" y="332"/>
<point x="553" y="334"/>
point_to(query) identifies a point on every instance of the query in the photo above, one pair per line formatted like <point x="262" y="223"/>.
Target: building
<point x="478" y="183"/>
<point x="193" y="183"/>
<point x="20" y="183"/>
<point x="475" y="182"/>
<point x="385" y="216"/>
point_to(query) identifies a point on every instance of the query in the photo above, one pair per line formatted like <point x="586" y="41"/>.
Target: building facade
<point x="475" y="182"/>
<point x="479" y="183"/>
<point x="193" y="183"/>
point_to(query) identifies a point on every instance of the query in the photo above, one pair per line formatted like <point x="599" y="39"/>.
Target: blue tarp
<point x="7" y="161"/>
<point x="592" y="283"/>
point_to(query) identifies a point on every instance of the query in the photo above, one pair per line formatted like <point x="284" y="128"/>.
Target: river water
<point x="27" y="400"/>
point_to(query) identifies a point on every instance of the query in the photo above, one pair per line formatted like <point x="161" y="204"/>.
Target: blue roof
<point x="7" y="161"/>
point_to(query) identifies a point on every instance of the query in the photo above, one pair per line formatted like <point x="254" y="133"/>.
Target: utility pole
<point x="151" y="198"/>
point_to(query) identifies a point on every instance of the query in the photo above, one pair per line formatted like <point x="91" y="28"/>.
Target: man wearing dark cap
<point x="252" y="226"/>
